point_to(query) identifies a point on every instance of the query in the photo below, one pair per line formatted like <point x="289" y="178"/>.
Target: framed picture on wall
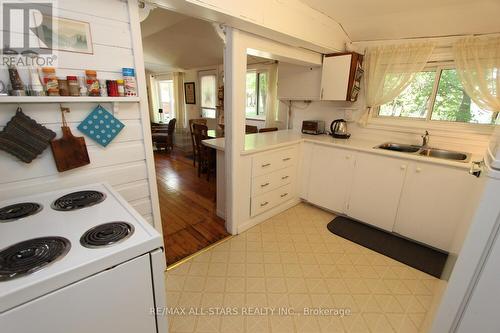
<point x="67" y="35"/>
<point x="189" y="93"/>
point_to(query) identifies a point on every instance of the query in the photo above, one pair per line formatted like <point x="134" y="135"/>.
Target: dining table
<point x="215" y="133"/>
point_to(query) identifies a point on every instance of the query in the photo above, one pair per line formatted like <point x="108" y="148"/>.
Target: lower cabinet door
<point x="434" y="203"/>
<point x="376" y="190"/>
<point x="330" y="177"/>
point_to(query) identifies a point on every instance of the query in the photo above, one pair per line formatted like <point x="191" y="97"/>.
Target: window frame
<point x="380" y="120"/>
<point x="200" y="75"/>
<point x="258" y="71"/>
<point x="159" y="102"/>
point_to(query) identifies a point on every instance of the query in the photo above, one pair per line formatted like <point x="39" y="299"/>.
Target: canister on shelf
<point x="63" y="87"/>
<point x="82" y="83"/>
<point x="121" y="88"/>
<point x="50" y="81"/>
<point x="73" y="86"/>
<point x="129" y="81"/>
<point x="92" y="83"/>
<point x="103" y="89"/>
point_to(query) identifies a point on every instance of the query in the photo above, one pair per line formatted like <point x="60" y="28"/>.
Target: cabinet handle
<point x="403" y="167"/>
<point x="321" y="93"/>
<point x="284" y="195"/>
<point x="284" y="177"/>
<point x="418" y="170"/>
<point x="286" y="159"/>
<point x="264" y="185"/>
<point x="264" y="204"/>
<point x="265" y="165"/>
<point x="348" y="157"/>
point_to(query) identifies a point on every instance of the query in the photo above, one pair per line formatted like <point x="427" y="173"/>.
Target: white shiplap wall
<point x="127" y="162"/>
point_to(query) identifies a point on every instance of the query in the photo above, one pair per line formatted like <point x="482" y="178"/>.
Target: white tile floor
<point x="292" y="261"/>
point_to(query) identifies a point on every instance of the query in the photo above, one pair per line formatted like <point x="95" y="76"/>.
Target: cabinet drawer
<point x="270" y="181"/>
<point x="266" y="201"/>
<point x="266" y="163"/>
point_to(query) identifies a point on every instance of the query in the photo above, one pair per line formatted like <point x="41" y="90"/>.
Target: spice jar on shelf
<point x="102" y="88"/>
<point x="63" y="87"/>
<point x="121" y="88"/>
<point x="92" y="83"/>
<point x="50" y="81"/>
<point x="73" y="86"/>
<point x="82" y="83"/>
<point x="129" y="81"/>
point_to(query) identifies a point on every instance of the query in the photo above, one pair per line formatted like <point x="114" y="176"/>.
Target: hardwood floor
<point x="187" y="205"/>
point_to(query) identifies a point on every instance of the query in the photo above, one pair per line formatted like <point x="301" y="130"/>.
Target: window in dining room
<point x="208" y="83"/>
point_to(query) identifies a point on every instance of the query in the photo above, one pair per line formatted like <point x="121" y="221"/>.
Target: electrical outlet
<point x="348" y="115"/>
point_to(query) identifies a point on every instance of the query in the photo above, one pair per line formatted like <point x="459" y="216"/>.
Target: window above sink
<point x="436" y="95"/>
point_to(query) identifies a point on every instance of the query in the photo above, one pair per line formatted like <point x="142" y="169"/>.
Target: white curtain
<point x="272" y="109"/>
<point x="389" y="69"/>
<point x="179" y="105"/>
<point x="477" y="60"/>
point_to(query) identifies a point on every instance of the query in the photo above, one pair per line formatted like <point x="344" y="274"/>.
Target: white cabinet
<point x="341" y="75"/>
<point x="273" y="179"/>
<point x="433" y="203"/>
<point x="376" y="189"/>
<point x="330" y="177"/>
<point x="297" y="82"/>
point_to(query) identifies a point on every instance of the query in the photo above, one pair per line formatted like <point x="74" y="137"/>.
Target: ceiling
<point x="173" y="41"/>
<point x="394" y="19"/>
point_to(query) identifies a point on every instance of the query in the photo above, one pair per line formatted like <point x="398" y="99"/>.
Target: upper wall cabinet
<point x="341" y="76"/>
<point x="298" y="83"/>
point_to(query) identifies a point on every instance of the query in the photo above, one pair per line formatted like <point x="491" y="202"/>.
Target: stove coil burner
<point x="107" y="234"/>
<point x="19" y="210"/>
<point x="31" y="255"/>
<point x="78" y="200"/>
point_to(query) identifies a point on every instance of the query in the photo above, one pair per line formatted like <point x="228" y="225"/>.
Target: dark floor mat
<point x="413" y="254"/>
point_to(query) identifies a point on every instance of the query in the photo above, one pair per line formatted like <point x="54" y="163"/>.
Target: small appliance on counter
<point x="314" y="127"/>
<point x="338" y="129"/>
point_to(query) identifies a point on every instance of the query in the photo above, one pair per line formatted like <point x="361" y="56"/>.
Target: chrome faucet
<point x="425" y="139"/>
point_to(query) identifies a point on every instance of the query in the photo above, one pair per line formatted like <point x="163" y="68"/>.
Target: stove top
<point x="78" y="200"/>
<point x="19" y="210"/>
<point x="107" y="234"/>
<point x="31" y="255"/>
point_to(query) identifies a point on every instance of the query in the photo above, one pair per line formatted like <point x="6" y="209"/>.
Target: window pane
<point x="208" y="113"/>
<point x="208" y="91"/>
<point x="414" y="100"/>
<point x="263" y="86"/>
<point x="166" y="89"/>
<point x="453" y="104"/>
<point x="251" y="95"/>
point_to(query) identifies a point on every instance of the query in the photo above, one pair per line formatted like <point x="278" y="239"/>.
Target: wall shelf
<point x="65" y="99"/>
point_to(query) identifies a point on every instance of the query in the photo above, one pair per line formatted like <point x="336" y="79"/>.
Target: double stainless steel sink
<point x="426" y="151"/>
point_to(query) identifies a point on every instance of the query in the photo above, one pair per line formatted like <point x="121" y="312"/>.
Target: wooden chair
<point x="249" y="129"/>
<point x="163" y="135"/>
<point x="206" y="158"/>
<point x="191" y="130"/>
<point x="268" y="129"/>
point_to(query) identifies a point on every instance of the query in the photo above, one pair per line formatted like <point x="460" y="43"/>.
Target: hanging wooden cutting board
<point x="69" y="152"/>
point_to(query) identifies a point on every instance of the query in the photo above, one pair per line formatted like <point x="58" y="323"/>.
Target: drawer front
<point x="286" y="176"/>
<point x="266" y="163"/>
<point x="266" y="201"/>
<point x="268" y="182"/>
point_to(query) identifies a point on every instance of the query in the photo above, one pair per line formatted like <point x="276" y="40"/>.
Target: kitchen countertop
<point x="260" y="142"/>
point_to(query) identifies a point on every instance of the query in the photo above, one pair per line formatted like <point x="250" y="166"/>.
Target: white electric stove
<point x="79" y="260"/>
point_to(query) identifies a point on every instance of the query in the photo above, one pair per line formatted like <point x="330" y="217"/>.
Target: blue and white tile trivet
<point x="101" y="126"/>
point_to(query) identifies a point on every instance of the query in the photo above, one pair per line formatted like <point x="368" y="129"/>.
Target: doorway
<point x="184" y="64"/>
